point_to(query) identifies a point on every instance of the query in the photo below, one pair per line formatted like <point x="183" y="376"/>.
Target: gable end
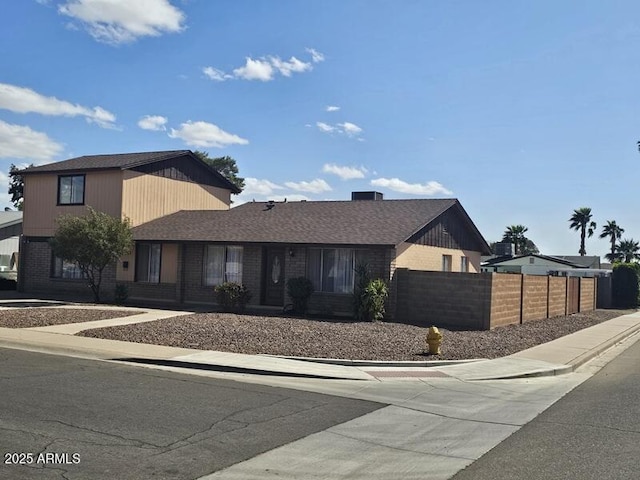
<point x="449" y="230"/>
<point x="185" y="169"/>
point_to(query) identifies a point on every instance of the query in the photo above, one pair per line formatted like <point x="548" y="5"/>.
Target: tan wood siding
<point x="423" y="257"/>
<point x="102" y="190"/>
<point x="147" y="197"/>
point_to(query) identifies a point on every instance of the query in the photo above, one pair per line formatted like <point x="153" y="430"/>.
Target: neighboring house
<point x="180" y="256"/>
<point x="139" y="186"/>
<point x="587" y="261"/>
<point x="10" y="231"/>
<point x="531" y="264"/>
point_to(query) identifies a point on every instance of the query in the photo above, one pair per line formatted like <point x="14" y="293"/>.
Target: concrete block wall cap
<point x="378" y="363"/>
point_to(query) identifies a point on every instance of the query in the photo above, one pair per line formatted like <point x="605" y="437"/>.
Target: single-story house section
<point x="530" y="264"/>
<point x="181" y="257"/>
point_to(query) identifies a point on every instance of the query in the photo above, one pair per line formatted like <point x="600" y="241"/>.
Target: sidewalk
<point x="560" y="356"/>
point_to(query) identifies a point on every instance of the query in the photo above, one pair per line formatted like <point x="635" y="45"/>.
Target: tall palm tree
<point x="515" y="234"/>
<point x="614" y="232"/>
<point x="581" y="220"/>
<point x="628" y="250"/>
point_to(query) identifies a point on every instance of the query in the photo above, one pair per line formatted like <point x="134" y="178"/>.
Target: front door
<point x="273" y="276"/>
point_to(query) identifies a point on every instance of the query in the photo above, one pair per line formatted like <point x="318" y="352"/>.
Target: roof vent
<point x="366" y="196"/>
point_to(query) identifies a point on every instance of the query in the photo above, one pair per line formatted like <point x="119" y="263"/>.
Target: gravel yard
<point x="43" y="317"/>
<point x="343" y="339"/>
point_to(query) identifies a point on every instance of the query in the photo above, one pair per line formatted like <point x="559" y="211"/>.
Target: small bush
<point x="374" y="297"/>
<point x="233" y="297"/>
<point x="625" y="288"/>
<point x="122" y="294"/>
<point x="300" y="290"/>
<point x="360" y="308"/>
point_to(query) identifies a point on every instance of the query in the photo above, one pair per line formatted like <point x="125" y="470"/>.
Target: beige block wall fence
<point x="483" y="301"/>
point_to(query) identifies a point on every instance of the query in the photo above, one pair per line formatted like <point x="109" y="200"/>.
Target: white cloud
<point x="255" y="186"/>
<point x="323" y="127"/>
<point x="293" y="65"/>
<point x="17" y="141"/>
<point x="347" y="128"/>
<point x="316" y="56"/>
<point x="350" y="129"/>
<point x="264" y="68"/>
<point x="397" y="185"/>
<point x="314" y="186"/>
<point x="204" y="134"/>
<point x="345" y="173"/>
<point x="215" y="74"/>
<point x="153" y="122"/>
<point x="255" y="70"/>
<point x="25" y="100"/>
<point x="123" y="21"/>
<point x="332" y="108"/>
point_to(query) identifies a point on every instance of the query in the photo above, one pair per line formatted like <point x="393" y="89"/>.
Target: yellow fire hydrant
<point x="434" y="340"/>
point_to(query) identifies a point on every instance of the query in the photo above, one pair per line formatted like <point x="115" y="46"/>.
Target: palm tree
<point x="628" y="250"/>
<point x="614" y="232"/>
<point x="515" y="234"/>
<point x="581" y="220"/>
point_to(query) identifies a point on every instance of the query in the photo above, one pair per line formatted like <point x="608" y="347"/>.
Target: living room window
<point x="332" y="269"/>
<point x="148" y="262"/>
<point x="222" y="263"/>
<point x="63" y="269"/>
<point x="71" y="190"/>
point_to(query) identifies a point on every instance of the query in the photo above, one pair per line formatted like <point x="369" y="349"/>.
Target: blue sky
<point x="523" y="110"/>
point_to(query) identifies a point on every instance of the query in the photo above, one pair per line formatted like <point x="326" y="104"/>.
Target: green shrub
<point x="233" y="297"/>
<point x="625" y="288"/>
<point x="122" y="294"/>
<point x="374" y="297"/>
<point x="300" y="290"/>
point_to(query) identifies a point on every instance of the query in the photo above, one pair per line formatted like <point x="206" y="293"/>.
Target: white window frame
<point x="227" y="267"/>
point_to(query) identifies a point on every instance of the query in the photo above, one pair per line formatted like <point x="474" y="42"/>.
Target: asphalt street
<point x="64" y="417"/>
<point x="591" y="433"/>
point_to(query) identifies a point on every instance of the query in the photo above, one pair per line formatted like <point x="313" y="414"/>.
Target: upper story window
<point x="446" y="263"/>
<point x="71" y="190"/>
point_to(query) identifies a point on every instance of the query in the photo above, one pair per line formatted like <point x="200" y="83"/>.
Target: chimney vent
<point x="366" y="196"/>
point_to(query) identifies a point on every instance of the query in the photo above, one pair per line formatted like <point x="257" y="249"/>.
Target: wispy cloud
<point x="263" y="69"/>
<point x="153" y="122"/>
<point x="316" y="56"/>
<point x="332" y="108"/>
<point x="345" y="173"/>
<point x="24" y="100"/>
<point x="17" y="141"/>
<point x="204" y="134"/>
<point x="346" y="128"/>
<point x="124" y="21"/>
<point x="397" y="185"/>
<point x="314" y="186"/>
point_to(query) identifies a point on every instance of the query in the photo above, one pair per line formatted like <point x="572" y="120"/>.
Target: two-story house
<point x="139" y="186"/>
<point x="188" y="240"/>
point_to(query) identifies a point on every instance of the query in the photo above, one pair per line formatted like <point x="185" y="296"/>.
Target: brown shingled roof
<point x="363" y="222"/>
<point x="99" y="162"/>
